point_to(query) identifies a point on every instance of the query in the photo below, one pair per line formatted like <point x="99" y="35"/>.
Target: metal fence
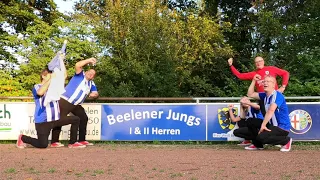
<point x="169" y="99"/>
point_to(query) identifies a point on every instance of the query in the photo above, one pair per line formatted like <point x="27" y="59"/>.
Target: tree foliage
<point x="153" y="50"/>
<point x="36" y="44"/>
<point x="284" y="32"/>
<point x="166" y="48"/>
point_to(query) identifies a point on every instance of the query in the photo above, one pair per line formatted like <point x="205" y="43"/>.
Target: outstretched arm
<point x="242" y="76"/>
<point x="80" y="64"/>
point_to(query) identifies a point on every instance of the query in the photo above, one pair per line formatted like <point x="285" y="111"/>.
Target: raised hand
<point x="230" y="61"/>
<point x="257" y="77"/>
<point x="92" y="61"/>
<point x="230" y="106"/>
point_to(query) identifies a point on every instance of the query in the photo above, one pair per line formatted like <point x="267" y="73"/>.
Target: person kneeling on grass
<point x="250" y="118"/>
<point x="48" y="117"/>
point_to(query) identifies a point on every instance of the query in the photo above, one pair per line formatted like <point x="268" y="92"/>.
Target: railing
<point x="238" y="98"/>
<point x="197" y="99"/>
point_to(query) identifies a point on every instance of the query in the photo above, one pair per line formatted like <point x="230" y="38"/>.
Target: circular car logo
<point x="301" y="121"/>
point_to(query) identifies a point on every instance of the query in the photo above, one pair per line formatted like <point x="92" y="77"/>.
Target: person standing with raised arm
<point x="80" y="86"/>
<point x="263" y="71"/>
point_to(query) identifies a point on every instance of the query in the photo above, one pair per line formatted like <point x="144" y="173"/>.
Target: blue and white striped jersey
<point x="44" y="114"/>
<point x="78" y="89"/>
<point x="253" y="113"/>
<point x="280" y="117"/>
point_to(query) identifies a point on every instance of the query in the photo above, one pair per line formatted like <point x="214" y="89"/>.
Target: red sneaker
<point x="252" y="147"/>
<point x="86" y="143"/>
<point x="56" y="145"/>
<point x="245" y="143"/>
<point x="286" y="147"/>
<point x="76" y="145"/>
<point x="20" y="144"/>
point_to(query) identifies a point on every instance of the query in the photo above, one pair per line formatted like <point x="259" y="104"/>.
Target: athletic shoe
<point x="76" y="145"/>
<point x="245" y="143"/>
<point x="286" y="147"/>
<point x="252" y="147"/>
<point x="20" y="144"/>
<point x="278" y="146"/>
<point x="56" y="145"/>
<point x="86" y="143"/>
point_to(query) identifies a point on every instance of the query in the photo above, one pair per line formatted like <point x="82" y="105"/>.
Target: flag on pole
<point x="57" y="66"/>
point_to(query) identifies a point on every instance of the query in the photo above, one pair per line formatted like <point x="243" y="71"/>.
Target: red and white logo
<point x="301" y="121"/>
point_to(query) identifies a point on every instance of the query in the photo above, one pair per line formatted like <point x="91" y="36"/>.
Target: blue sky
<point x="65" y="5"/>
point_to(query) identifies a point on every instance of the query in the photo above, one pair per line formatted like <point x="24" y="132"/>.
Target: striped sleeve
<point x="93" y="87"/>
<point x="278" y="99"/>
<point x="35" y="90"/>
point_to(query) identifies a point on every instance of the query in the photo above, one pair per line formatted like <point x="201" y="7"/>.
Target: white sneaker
<point x="86" y="143"/>
<point x="253" y="147"/>
<point x="286" y="147"/>
<point x="20" y="144"/>
<point x="245" y="143"/>
<point x="76" y="145"/>
<point x="56" y="145"/>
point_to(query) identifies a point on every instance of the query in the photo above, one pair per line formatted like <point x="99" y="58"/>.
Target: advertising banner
<point x="220" y="126"/>
<point x="305" y="121"/>
<point x="18" y="118"/>
<point x="13" y="118"/>
<point x="153" y="122"/>
<point x="304" y="118"/>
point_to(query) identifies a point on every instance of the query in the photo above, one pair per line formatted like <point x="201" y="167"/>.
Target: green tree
<point x="152" y="50"/>
<point x="15" y="17"/>
<point x="284" y="32"/>
<point x="42" y="41"/>
<point x="37" y="33"/>
<point x="289" y="36"/>
<point x="10" y="86"/>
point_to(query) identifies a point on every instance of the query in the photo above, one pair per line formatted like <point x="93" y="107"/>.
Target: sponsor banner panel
<point x="305" y="121"/>
<point x="304" y="118"/>
<point x="220" y="126"/>
<point x="13" y="118"/>
<point x="18" y="118"/>
<point x="166" y="122"/>
<point x="153" y="122"/>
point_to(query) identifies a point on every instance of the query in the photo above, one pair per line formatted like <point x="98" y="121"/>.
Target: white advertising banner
<point x="17" y="118"/>
<point x="13" y="117"/>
